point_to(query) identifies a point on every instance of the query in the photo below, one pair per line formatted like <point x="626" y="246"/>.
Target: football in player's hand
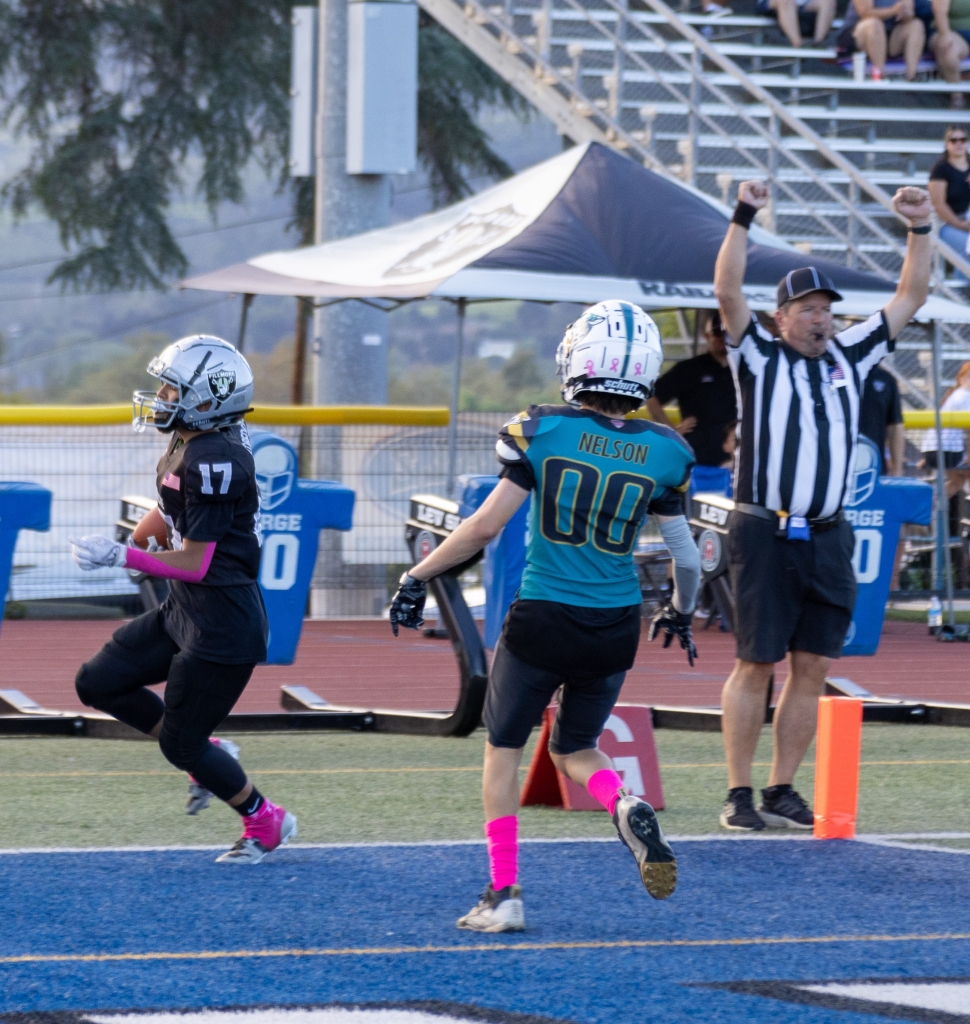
<point x="150" y="527"/>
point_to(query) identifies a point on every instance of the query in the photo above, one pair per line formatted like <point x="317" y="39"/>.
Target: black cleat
<point x="638" y="828"/>
<point x="738" y="812"/>
<point x="782" y="807"/>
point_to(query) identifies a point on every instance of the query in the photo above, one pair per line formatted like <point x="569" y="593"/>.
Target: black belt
<point x="760" y="512"/>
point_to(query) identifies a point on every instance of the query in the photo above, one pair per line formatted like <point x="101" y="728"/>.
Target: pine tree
<point x="117" y="96"/>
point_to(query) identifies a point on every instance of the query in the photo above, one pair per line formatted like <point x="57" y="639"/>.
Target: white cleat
<point x="262" y="834"/>
<point x="638" y="828"/>
<point x="199" y="796"/>
<point x="500" y="911"/>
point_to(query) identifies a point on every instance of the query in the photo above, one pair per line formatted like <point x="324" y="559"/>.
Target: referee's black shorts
<point x="790" y="595"/>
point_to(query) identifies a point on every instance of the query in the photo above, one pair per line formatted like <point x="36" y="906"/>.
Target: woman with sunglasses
<point x="949" y="189"/>
<point x="950" y="43"/>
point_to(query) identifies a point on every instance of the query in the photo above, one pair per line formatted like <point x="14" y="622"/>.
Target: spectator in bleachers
<point x="787" y="12"/>
<point x="949" y="188"/>
<point x="886" y="28"/>
<point x="953" y="440"/>
<point x="950" y="45"/>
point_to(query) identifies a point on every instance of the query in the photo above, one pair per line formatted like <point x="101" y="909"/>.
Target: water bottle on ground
<point x="934" y="616"/>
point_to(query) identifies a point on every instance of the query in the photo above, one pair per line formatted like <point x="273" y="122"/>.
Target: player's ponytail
<point x="616" y="406"/>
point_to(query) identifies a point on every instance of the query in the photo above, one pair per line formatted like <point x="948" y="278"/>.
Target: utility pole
<point x="349" y="338"/>
<point x="350" y="343"/>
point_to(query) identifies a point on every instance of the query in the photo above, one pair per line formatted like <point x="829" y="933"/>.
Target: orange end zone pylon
<point x="627" y="740"/>
<point x="837" y="751"/>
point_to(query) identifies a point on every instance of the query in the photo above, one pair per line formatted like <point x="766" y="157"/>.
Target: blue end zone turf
<point x="597" y="949"/>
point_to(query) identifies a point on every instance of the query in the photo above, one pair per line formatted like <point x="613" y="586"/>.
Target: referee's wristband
<point x="924" y="229"/>
<point x="744" y="214"/>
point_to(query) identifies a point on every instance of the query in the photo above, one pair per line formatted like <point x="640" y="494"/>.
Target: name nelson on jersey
<point x="596" y="444"/>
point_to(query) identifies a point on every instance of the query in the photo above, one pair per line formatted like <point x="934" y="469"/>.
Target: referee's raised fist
<point x="913" y="203"/>
<point x="755" y="193"/>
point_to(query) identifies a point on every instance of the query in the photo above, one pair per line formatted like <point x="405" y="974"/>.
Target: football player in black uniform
<point x="211" y="631"/>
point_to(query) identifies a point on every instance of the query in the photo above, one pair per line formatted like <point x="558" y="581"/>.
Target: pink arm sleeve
<point x="142" y="561"/>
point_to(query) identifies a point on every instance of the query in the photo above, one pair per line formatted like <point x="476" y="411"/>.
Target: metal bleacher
<point x="716" y="100"/>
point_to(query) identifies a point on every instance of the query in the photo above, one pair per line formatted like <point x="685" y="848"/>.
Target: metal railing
<point x="623" y="30"/>
<point x="814" y="208"/>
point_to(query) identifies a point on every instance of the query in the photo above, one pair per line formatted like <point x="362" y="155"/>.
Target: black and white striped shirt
<point x="800" y="417"/>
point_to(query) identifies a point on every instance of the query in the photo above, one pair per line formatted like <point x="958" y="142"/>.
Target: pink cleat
<point x="264" y="831"/>
<point x="199" y="796"/>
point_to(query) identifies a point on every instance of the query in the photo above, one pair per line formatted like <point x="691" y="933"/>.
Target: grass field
<point x="353" y="787"/>
<point x="961" y="616"/>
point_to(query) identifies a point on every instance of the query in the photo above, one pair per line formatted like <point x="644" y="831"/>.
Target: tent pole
<point x="299" y="351"/>
<point x="944" y="573"/>
<point x="247" y="301"/>
<point x="455" y="389"/>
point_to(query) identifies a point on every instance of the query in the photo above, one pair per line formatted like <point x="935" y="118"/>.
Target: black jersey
<point x="207" y="492"/>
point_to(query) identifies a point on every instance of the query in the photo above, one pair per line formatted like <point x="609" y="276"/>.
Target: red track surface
<point x="360" y="663"/>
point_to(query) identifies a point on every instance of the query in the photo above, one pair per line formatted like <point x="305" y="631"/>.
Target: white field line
<point x="928" y="847"/>
<point x="179" y="848"/>
<point x="913" y="835"/>
<point x="872" y="839"/>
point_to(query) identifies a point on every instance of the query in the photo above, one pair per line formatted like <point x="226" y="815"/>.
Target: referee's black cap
<point x="797" y="283"/>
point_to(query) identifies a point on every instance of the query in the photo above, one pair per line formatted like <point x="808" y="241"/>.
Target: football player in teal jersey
<point x="575" y="624"/>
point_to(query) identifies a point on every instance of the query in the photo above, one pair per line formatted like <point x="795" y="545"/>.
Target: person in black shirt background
<point x="206" y="638"/>
<point x="881" y="419"/>
<point x="703" y="387"/>
<point x="949" y="188"/>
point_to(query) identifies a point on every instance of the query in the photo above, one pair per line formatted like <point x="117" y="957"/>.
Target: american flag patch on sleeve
<point x="172" y="481"/>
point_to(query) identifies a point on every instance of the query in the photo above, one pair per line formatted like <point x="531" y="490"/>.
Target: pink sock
<point x="605" y="786"/>
<point x="502" y="835"/>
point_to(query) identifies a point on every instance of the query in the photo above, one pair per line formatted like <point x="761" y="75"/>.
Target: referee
<point x="789" y="547"/>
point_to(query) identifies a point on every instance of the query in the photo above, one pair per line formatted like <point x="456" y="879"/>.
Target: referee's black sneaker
<point x="739" y="813"/>
<point x="782" y="807"/>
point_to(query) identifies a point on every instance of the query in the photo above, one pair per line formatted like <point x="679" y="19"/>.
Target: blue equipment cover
<point x="877" y="506"/>
<point x="23" y="506"/>
<point x="292" y="514"/>
<point x="504" y="557"/>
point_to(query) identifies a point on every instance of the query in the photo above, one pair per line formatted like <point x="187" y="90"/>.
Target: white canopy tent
<point x="584" y="226"/>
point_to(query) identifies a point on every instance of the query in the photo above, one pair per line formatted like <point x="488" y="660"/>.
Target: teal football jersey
<point x="595" y="479"/>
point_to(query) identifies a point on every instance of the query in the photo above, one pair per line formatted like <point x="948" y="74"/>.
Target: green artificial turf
<point x="961" y="616"/>
<point x="348" y="787"/>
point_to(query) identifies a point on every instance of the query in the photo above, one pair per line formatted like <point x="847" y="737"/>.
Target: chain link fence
<point x="89" y="469"/>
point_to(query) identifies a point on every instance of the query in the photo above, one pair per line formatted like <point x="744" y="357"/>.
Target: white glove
<point x="95" y="552"/>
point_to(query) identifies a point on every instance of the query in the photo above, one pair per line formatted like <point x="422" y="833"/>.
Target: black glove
<point x="674" y="624"/>
<point x="407" y="604"/>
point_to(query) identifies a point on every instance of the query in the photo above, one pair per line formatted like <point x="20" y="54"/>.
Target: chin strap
<point x="142" y="561"/>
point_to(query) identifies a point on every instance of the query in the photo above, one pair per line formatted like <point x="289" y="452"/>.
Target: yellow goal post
<point x="340" y="415"/>
<point x="277" y="415"/>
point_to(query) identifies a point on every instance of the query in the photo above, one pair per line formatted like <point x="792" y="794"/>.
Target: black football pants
<point x="198" y="696"/>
